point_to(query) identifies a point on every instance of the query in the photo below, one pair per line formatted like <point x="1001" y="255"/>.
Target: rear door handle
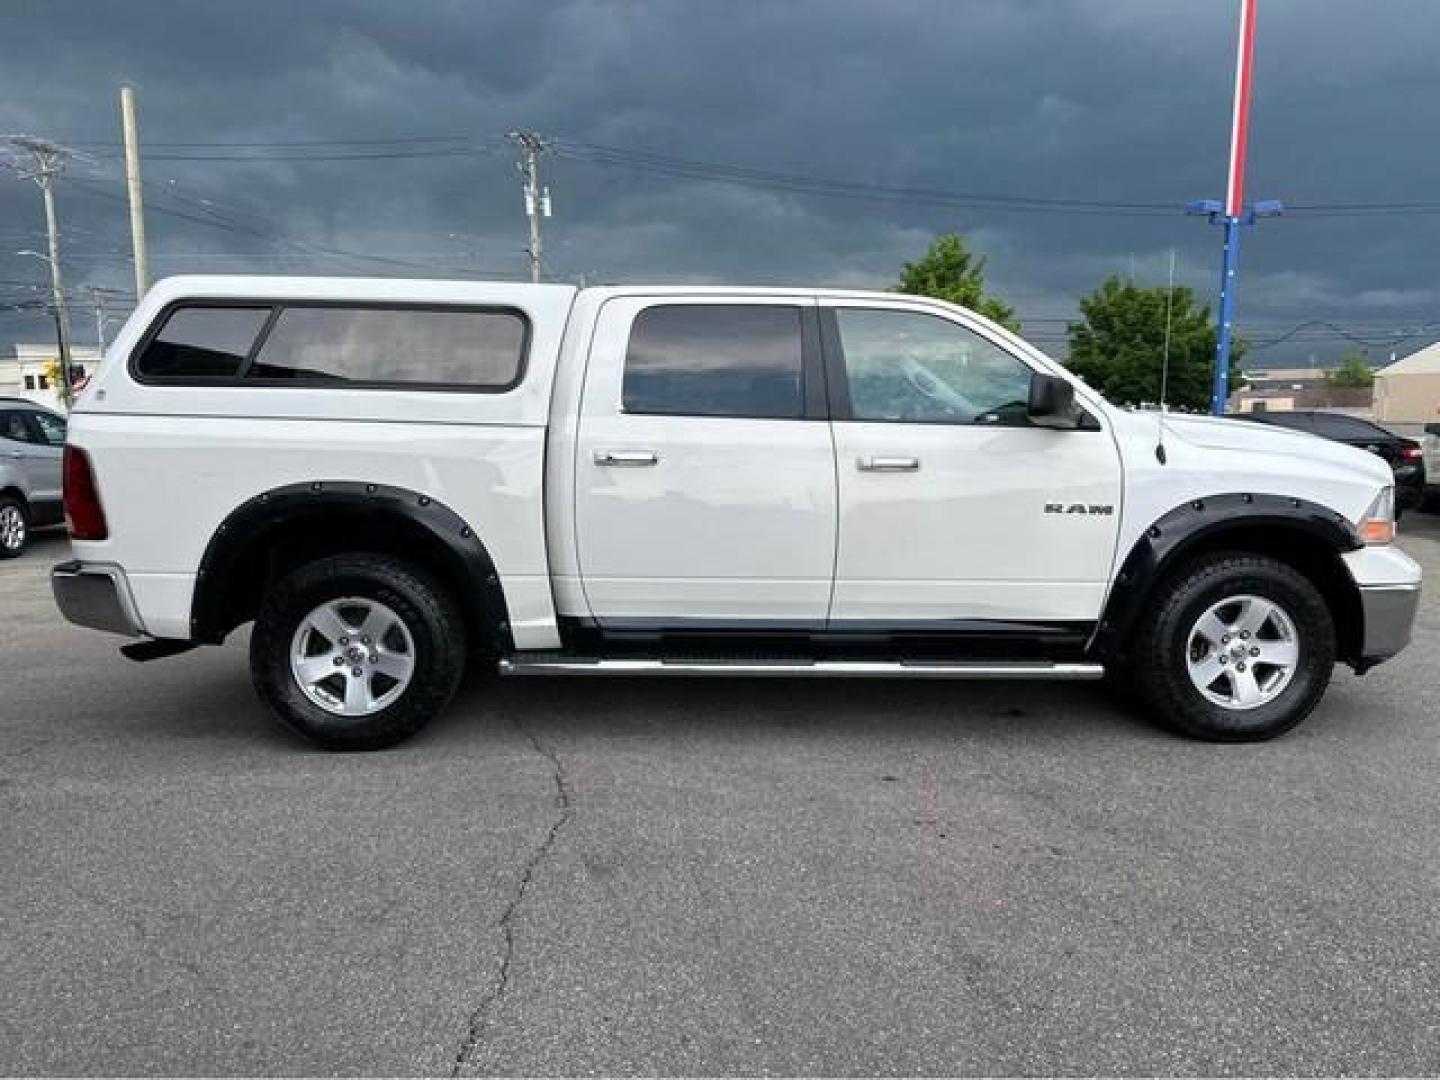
<point x="888" y="464"/>
<point x="627" y="458"/>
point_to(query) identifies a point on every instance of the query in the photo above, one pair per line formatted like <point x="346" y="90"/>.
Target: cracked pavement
<point x="706" y="877"/>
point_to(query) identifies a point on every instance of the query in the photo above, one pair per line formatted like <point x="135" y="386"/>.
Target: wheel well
<point x="11" y="489"/>
<point x="252" y="551"/>
<point x="1297" y="548"/>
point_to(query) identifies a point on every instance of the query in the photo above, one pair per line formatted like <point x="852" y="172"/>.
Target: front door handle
<point x="627" y="458"/>
<point x="888" y="464"/>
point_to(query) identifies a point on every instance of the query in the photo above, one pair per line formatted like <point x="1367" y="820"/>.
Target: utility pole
<point x="133" y="190"/>
<point x="537" y="196"/>
<point x="47" y="162"/>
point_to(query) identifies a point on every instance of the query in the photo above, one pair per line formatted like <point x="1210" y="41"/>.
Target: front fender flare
<point x="1198" y="522"/>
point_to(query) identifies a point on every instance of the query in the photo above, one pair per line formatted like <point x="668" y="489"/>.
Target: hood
<point x="1222" y="433"/>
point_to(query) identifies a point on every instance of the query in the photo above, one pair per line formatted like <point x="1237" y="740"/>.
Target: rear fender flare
<point x="466" y="561"/>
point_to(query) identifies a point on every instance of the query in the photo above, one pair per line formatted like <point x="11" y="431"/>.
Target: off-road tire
<point x="422" y="603"/>
<point x="1160" y="650"/>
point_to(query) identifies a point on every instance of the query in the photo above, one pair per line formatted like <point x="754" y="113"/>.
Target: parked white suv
<point x="393" y="478"/>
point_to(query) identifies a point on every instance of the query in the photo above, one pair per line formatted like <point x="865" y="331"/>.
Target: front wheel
<point x="357" y="652"/>
<point x="1235" y="648"/>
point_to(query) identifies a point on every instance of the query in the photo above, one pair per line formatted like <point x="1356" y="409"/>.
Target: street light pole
<point x="48" y="160"/>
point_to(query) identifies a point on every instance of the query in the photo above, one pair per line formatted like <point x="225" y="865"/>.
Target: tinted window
<point x="1293" y="421"/>
<point x="372" y="345"/>
<point x="1346" y="427"/>
<point x="51" y="428"/>
<point x="14" y="428"/>
<point x="908" y="366"/>
<point x="715" y="360"/>
<point x="202" y="343"/>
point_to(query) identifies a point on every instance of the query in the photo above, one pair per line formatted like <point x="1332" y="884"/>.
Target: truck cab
<point x="393" y="480"/>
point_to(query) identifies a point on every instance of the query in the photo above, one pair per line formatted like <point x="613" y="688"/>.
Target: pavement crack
<point x="564" y="812"/>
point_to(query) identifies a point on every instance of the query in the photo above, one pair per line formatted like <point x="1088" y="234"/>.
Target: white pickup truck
<point x="393" y="479"/>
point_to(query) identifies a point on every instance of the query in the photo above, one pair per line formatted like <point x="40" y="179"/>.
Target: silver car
<point x="32" y="440"/>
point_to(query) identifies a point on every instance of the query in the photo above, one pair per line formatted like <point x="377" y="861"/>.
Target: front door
<point x="954" y="510"/>
<point x="705" y="474"/>
<point x="32" y="456"/>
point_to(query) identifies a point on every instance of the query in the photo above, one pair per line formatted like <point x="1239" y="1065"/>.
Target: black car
<point x="1405" y="456"/>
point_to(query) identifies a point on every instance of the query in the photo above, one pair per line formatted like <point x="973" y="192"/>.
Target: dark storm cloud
<point x="1114" y="100"/>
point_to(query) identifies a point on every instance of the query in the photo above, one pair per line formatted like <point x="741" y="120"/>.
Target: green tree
<point x="1119" y="346"/>
<point x="1353" y="373"/>
<point x="951" y="271"/>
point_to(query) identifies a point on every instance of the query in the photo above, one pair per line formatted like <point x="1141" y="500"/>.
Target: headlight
<point x="1378" y="524"/>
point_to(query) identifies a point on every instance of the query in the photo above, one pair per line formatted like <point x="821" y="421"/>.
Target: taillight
<point x="1412" y="452"/>
<point x="84" y="516"/>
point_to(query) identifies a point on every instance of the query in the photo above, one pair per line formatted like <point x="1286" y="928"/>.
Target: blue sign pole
<point x="1229" y="264"/>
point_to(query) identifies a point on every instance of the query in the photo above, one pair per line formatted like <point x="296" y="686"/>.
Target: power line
<point x="283" y="143"/>
<point x="445" y="146"/>
<point x="300" y="248"/>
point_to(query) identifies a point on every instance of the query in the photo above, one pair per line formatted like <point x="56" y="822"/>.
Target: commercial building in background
<point x="24" y="373"/>
<point x="1282" y="389"/>
<point x="1408" y="391"/>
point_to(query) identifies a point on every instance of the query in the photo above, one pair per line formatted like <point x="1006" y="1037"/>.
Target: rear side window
<point x="740" y="360"/>
<point x="202" y="343"/>
<point x="1346" y="427"/>
<point x="481" y="349"/>
<point x="462" y="348"/>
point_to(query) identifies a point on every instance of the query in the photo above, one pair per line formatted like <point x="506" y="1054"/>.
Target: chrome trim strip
<point x="518" y="665"/>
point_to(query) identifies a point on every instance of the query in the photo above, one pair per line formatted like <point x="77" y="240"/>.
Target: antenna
<point x="1165" y="358"/>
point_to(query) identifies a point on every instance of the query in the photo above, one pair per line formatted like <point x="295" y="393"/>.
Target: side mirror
<point x="1052" y="403"/>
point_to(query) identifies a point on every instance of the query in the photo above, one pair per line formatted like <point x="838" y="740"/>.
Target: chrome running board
<point x="552" y="664"/>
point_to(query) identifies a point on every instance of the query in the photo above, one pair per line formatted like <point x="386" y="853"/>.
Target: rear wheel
<point x="1236" y="648"/>
<point x="14" y="526"/>
<point x="357" y="652"/>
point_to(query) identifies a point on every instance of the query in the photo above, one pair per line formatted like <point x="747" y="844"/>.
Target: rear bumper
<point x="96" y="595"/>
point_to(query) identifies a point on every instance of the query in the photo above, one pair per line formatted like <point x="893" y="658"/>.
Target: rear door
<point x="953" y="509"/>
<point x="705" y="473"/>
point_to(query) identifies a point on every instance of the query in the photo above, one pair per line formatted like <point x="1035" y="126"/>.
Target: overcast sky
<point x="1091" y="101"/>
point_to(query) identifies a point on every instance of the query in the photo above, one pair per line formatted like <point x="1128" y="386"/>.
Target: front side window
<point x="910" y="366"/>
<point x="14" y="428"/>
<point x="741" y="360"/>
<point x="202" y="343"/>
<point x="465" y="348"/>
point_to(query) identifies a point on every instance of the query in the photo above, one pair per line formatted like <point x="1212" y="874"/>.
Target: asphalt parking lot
<point x="707" y="877"/>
